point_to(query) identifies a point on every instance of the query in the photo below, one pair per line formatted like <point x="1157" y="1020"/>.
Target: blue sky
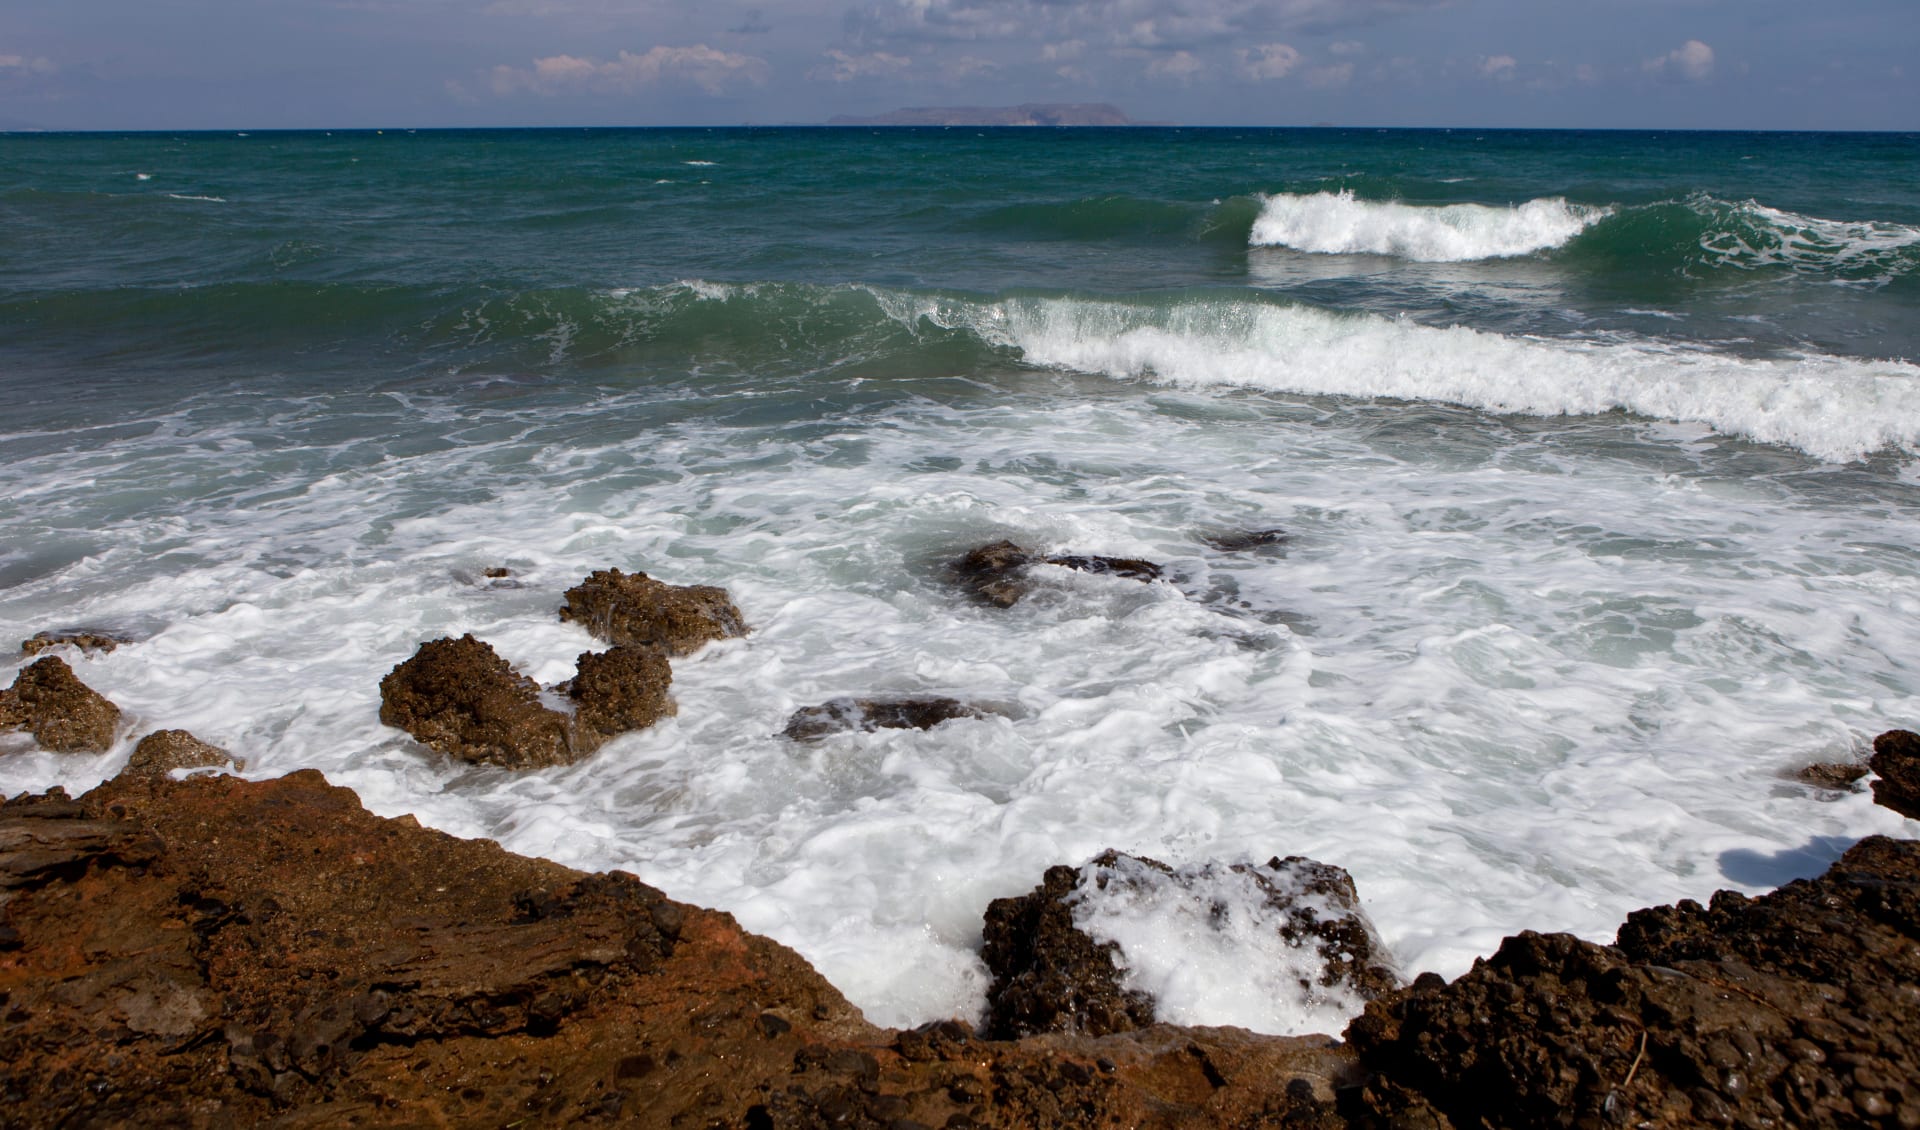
<point x="221" y="64"/>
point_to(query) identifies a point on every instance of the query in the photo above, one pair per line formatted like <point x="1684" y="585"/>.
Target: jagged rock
<point x="839" y="715"/>
<point x="61" y="712"/>
<point x="496" y="572"/>
<point x="163" y="751"/>
<point x="998" y="574"/>
<point x="634" y="610"/>
<point x="1896" y="758"/>
<point x="460" y="698"/>
<point x="1796" y="1008"/>
<point x="1241" y="541"/>
<point x="1051" y="975"/>
<point x="88" y="640"/>
<point x="220" y="952"/>
<point x="1839" y="776"/>
<point x="621" y="689"/>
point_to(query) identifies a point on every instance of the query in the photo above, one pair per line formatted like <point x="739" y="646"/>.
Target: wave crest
<point x="1340" y="223"/>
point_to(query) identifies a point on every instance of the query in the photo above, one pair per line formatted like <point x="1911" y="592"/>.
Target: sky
<point x="261" y="64"/>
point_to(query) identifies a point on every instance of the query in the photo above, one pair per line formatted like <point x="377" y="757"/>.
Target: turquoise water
<point x="1595" y="451"/>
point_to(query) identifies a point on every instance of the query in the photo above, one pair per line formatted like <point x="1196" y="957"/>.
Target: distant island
<point x="1025" y="114"/>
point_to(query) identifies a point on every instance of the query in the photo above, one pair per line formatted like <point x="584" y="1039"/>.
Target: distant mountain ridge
<point x="1025" y="114"/>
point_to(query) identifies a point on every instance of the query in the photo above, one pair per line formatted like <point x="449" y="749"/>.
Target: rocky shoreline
<point x="180" y="947"/>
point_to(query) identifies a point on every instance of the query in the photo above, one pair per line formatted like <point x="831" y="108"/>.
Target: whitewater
<point x="1598" y="508"/>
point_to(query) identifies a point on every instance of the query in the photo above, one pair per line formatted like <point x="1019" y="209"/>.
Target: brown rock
<point x="63" y="713"/>
<point x="839" y="715"/>
<point x="220" y="952"/>
<point x="998" y="574"/>
<point x="1775" y="1010"/>
<point x="634" y="610"/>
<point x="624" y="688"/>
<point x="1896" y="758"/>
<point x="1839" y="776"/>
<point x="163" y="751"/>
<point x="1050" y="976"/>
<point x="459" y="698"/>
<point x="88" y="640"/>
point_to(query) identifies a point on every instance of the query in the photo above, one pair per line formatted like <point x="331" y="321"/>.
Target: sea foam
<point x="1342" y="224"/>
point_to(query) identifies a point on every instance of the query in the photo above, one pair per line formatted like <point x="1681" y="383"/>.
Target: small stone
<point x="810" y="723"/>
<point x="163" y="751"/>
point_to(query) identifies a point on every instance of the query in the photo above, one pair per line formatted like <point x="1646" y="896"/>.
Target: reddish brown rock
<point x="634" y="610"/>
<point x="840" y="715"/>
<point x="62" y="713"/>
<point x="163" y="751"/>
<point x="218" y="952"/>
<point x="999" y="574"/>
<point x="1051" y="976"/>
<point x="88" y="640"/>
<point x="1837" y="776"/>
<point x="460" y="698"/>
<point x="1896" y="758"/>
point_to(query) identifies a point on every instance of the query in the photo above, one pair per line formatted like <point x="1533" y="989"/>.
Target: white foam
<point x="1834" y="408"/>
<point x="190" y="196"/>
<point x="1772" y="237"/>
<point x="1341" y="224"/>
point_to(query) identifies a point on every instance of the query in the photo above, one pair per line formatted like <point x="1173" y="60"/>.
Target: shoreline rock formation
<point x="634" y="610"/>
<point x="62" y="713"/>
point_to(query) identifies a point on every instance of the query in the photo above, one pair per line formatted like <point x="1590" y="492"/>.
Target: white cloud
<point x="25" y="65"/>
<point x="1346" y="47"/>
<point x="1063" y="52"/>
<point x="1498" y="66"/>
<point x="1692" y="60"/>
<point x="1158" y="24"/>
<point x="705" y="67"/>
<point x="967" y="66"/>
<point x="845" y="67"/>
<point x="1339" y="74"/>
<point x="1180" y="66"/>
<point x="1268" y="61"/>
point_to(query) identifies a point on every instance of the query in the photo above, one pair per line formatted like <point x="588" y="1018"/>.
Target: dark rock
<point x="1241" y="541"/>
<point x="1839" y="776"/>
<point x="839" y="715"/>
<point x="461" y="699"/>
<point x="1778" y="1010"/>
<point x="496" y="572"/>
<point x="998" y="574"/>
<point x="621" y="689"/>
<point x="634" y="610"/>
<point x="1896" y="758"/>
<point x="163" y="751"/>
<point x="88" y="640"/>
<point x="62" y="713"/>
<point x="1051" y="976"/>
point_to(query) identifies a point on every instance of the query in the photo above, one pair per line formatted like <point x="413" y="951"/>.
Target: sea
<point x="1592" y="457"/>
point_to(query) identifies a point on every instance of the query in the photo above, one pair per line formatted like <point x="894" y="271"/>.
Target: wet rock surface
<point x="634" y="610"/>
<point x="457" y="696"/>
<point x="999" y="574"/>
<point x="62" y="713"/>
<point x="1896" y="759"/>
<point x="842" y="715"/>
<point x="1796" y="1008"/>
<point x="1244" y="541"/>
<point x="1050" y="975"/>
<point x="163" y="751"/>
<point x="1839" y="776"/>
<point x="218" y="952"/>
<point x="89" y="640"/>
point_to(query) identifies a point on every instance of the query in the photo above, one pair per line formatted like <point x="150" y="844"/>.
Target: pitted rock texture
<point x="163" y="751"/>
<point x="841" y="715"/>
<point x="1796" y="1008"/>
<point x="1052" y="976"/>
<point x="460" y="698"/>
<point x="62" y="713"/>
<point x="213" y="952"/>
<point x="1896" y="758"/>
<point x="88" y="640"/>
<point x="1000" y="574"/>
<point x="634" y="610"/>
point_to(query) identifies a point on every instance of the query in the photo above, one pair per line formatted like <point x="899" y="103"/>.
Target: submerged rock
<point x="460" y="698"/>
<point x="839" y="715"/>
<point x="1896" y="758"/>
<point x="88" y="640"/>
<point x="163" y="751"/>
<point x="62" y="713"/>
<point x="998" y="574"/>
<point x="1050" y="974"/>
<point x="1241" y="541"/>
<point x="634" y="610"/>
<point x="1796" y="1008"/>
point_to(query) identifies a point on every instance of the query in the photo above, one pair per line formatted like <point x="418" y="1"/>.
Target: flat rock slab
<point x="89" y="640"/>
<point x="844" y="715"/>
